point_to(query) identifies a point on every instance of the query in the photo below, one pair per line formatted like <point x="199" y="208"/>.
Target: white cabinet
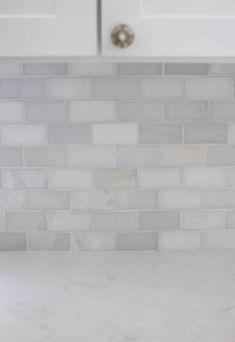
<point x="153" y="28"/>
<point x="48" y="28"/>
<point x="171" y="28"/>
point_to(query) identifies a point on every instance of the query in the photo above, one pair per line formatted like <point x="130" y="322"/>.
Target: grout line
<point x="99" y="26"/>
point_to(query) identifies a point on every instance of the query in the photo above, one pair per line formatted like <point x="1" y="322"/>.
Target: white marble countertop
<point x="117" y="297"/>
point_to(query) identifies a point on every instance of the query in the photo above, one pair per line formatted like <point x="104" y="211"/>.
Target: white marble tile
<point x="23" y="135"/>
<point x="46" y="156"/>
<point x="136" y="241"/>
<point x="24" y="179"/>
<point x="2" y="222"/>
<point x="115" y="179"/>
<point x="52" y="241"/>
<point x="69" y="88"/>
<point x="26" y="221"/>
<point x="92" y="111"/>
<point x="91" y="156"/>
<point x="179" y="240"/>
<point x="115" y="134"/>
<point x="160" y="178"/>
<point x="12" y="200"/>
<point x="92" y="69"/>
<point x="51" y="200"/>
<point x="92" y="241"/>
<point x="224" y="239"/>
<point x="69" y="221"/>
<point x="69" y="179"/>
<point x="202" y="219"/>
<point x="11" y="111"/>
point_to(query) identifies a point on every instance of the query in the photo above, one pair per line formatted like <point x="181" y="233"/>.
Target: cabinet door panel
<point x="48" y="28"/>
<point x="166" y="28"/>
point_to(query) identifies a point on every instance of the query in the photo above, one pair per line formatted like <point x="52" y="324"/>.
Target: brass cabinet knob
<point x="122" y="36"/>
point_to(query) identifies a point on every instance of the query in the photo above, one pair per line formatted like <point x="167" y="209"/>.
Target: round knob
<point x="122" y="36"/>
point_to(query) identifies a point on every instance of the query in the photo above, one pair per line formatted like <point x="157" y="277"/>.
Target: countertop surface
<point x="117" y="297"/>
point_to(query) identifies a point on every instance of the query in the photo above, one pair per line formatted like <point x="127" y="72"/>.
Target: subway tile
<point x="186" y="69"/>
<point x="49" y="241"/>
<point x="47" y="111"/>
<point x="95" y="199"/>
<point x="69" y="88"/>
<point x="202" y="219"/>
<point x="163" y="87"/>
<point x="221" y="155"/>
<point x="69" y="134"/>
<point x="69" y="179"/>
<point x="220" y="199"/>
<point x="230" y="219"/>
<point x="22" y="88"/>
<point x="92" y="111"/>
<point x="92" y="241"/>
<point x="221" y="110"/>
<point x="12" y="200"/>
<point x="81" y="200"/>
<point x="209" y="88"/>
<point x="138" y="156"/>
<point x="51" y="200"/>
<point x="159" y="178"/>
<point x="161" y="133"/>
<point x="224" y="239"/>
<point x="125" y="189"/>
<point x="11" y="111"/>
<point x="26" y="221"/>
<point x="10" y="69"/>
<point x="155" y="156"/>
<point x="211" y="133"/>
<point x="69" y="221"/>
<point x="179" y="240"/>
<point x="115" y="178"/>
<point x="123" y="199"/>
<point x="115" y="88"/>
<point x="103" y="200"/>
<point x="13" y="242"/>
<point x="92" y="69"/>
<point x="140" y="111"/>
<point x="182" y="156"/>
<point x="2" y="222"/>
<point x="45" y="69"/>
<point x="180" y="199"/>
<point x="231" y="177"/>
<point x="118" y="221"/>
<point x="91" y="156"/>
<point x="159" y="220"/>
<point x="23" y="134"/>
<point x="185" y="111"/>
<point x="222" y="69"/>
<point x="205" y="177"/>
<point x="119" y="133"/>
<point x="135" y="199"/>
<point x="140" y="68"/>
<point x="231" y="134"/>
<point x="11" y="156"/>
<point x="46" y="156"/>
<point x="136" y="241"/>
<point x="24" y="179"/>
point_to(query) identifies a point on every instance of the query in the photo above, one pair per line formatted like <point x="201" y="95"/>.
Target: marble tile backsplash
<point x="137" y="156"/>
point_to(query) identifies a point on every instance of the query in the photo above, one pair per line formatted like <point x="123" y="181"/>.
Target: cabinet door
<point x="172" y="28"/>
<point x="48" y="28"/>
